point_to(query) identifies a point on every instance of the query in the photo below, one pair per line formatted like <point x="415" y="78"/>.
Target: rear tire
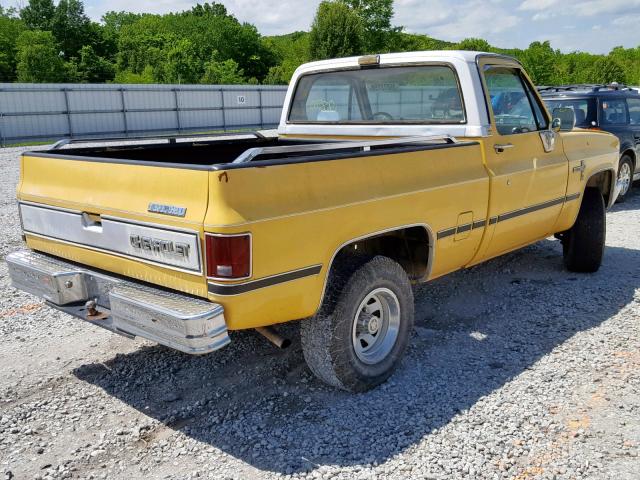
<point x="583" y="244"/>
<point x="625" y="176"/>
<point x="359" y="335"/>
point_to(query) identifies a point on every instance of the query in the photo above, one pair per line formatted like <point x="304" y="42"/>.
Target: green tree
<point x="147" y="41"/>
<point x="91" y="68"/>
<point x="629" y="58"/>
<point x="574" y="68"/>
<point x="72" y="28"/>
<point x="376" y="18"/>
<point x="290" y="50"/>
<point x="207" y="8"/>
<point x="181" y="64"/>
<point x="223" y="73"/>
<point x="337" y="31"/>
<point x="114" y="21"/>
<point x="540" y="60"/>
<point x="126" y="76"/>
<point x="474" y="44"/>
<point x="410" y="42"/>
<point x="38" y="14"/>
<point x="38" y="58"/>
<point x="10" y="29"/>
<point x="607" y="70"/>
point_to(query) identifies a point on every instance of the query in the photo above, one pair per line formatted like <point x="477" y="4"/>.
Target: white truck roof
<point x="465" y="64"/>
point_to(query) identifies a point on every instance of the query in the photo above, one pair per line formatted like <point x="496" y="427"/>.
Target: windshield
<point x="420" y="94"/>
<point x="584" y="108"/>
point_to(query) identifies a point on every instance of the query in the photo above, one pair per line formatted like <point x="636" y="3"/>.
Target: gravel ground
<point x="517" y="370"/>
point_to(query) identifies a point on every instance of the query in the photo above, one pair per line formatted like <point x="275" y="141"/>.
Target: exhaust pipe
<point x="273" y="336"/>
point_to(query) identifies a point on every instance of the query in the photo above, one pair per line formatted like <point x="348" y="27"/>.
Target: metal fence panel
<point x="199" y="99"/>
<point x="96" y="123"/>
<point x="200" y="119"/>
<point x="31" y="127"/>
<point x="53" y="111"/>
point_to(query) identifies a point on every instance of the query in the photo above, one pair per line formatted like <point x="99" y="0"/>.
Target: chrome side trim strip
<point x="238" y="288"/>
<point x="531" y="209"/>
<point x="448" y="232"/>
<point x="573" y="196"/>
<point x="461" y="228"/>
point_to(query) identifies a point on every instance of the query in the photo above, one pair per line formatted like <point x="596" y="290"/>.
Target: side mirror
<point x="564" y="119"/>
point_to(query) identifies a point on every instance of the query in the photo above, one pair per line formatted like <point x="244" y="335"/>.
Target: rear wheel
<point x="583" y="244"/>
<point x="359" y="336"/>
<point x="625" y="177"/>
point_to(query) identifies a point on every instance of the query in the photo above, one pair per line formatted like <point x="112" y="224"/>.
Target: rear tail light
<point x="228" y="256"/>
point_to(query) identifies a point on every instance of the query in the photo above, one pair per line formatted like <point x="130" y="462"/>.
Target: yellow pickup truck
<point x="385" y="171"/>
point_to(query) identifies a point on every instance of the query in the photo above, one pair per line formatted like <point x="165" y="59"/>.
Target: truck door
<point x="526" y="162"/>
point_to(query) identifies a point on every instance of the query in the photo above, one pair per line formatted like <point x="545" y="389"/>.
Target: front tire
<point x="583" y="244"/>
<point x="625" y="177"/>
<point x="359" y="335"/>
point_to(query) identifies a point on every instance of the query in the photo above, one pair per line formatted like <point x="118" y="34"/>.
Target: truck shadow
<point x="632" y="202"/>
<point x="476" y="330"/>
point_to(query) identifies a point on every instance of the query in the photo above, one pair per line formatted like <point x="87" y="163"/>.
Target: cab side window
<point x="514" y="109"/>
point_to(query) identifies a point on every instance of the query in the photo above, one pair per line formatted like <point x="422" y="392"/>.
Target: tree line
<point x="45" y="42"/>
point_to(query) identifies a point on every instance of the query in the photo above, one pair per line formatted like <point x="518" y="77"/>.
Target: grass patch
<point x="26" y="144"/>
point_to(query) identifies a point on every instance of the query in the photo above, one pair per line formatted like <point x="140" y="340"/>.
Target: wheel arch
<point x="381" y="242"/>
<point x="605" y="181"/>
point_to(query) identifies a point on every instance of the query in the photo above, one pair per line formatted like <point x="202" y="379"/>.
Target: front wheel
<point x="583" y="244"/>
<point x="625" y="177"/>
<point x="360" y="333"/>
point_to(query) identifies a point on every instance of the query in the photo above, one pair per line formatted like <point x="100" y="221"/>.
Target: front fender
<point x="590" y="154"/>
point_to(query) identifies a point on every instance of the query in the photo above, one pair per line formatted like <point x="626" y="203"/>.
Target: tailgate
<point x="141" y="221"/>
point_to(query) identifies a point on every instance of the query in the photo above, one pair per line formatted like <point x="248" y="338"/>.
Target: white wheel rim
<point x="624" y="178"/>
<point x="376" y="326"/>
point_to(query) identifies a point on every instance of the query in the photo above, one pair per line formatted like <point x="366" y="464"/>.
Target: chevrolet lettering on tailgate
<point x="164" y="247"/>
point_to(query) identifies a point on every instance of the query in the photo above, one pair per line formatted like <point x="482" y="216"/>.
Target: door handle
<point x="501" y="147"/>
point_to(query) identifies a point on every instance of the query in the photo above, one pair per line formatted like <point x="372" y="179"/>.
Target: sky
<point x="587" y="25"/>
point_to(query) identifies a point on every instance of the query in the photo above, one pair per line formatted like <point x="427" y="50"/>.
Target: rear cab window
<point x="424" y="94"/>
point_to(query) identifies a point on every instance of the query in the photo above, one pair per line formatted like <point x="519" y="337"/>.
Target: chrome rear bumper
<point x="132" y="309"/>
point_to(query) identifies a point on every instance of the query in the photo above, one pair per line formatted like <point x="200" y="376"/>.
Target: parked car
<point x="320" y="222"/>
<point x="613" y="108"/>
